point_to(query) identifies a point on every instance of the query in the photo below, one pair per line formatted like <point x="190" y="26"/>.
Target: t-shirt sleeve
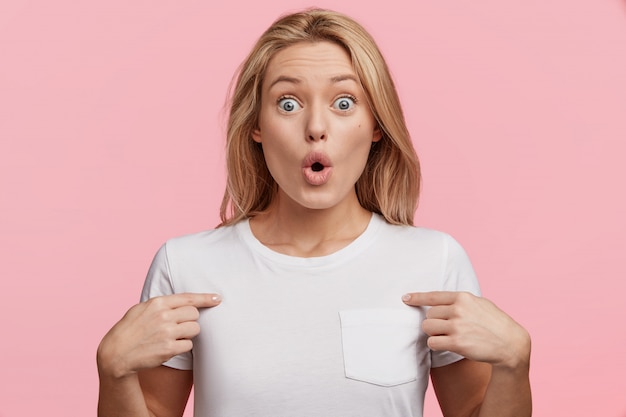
<point x="458" y="276"/>
<point x="158" y="282"/>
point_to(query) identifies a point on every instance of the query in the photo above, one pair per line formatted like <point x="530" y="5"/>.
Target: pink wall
<point x="111" y="142"/>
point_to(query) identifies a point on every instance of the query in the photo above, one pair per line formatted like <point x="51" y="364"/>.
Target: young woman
<point x="331" y="303"/>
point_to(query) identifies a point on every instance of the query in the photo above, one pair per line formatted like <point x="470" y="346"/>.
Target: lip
<point x="316" y="177"/>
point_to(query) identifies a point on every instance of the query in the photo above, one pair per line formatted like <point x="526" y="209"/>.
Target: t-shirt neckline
<point x="349" y="251"/>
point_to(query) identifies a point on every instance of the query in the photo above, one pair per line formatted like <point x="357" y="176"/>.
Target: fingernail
<point x="216" y="298"/>
<point x="406" y="297"/>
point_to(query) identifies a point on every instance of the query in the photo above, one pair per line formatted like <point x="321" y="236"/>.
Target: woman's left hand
<point x="473" y="327"/>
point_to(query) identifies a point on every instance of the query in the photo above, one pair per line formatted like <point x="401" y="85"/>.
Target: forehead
<point x="309" y="60"/>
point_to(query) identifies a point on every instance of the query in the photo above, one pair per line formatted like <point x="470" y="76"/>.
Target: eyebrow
<point x="285" y="79"/>
<point x="333" y="80"/>
<point x="344" y="77"/>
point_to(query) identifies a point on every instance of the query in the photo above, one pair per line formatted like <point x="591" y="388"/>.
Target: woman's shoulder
<point x="417" y="234"/>
<point x="421" y="239"/>
<point x="219" y="236"/>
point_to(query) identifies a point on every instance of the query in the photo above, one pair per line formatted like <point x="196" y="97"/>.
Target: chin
<point x="321" y="200"/>
<point x="317" y="204"/>
<point x="324" y="197"/>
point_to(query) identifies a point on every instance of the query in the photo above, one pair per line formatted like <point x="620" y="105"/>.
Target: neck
<point x="294" y="230"/>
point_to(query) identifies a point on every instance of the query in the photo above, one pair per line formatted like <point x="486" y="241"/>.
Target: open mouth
<point x="317" y="167"/>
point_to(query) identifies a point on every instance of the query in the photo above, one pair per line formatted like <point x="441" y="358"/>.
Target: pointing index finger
<point x="432" y="298"/>
<point x="198" y="300"/>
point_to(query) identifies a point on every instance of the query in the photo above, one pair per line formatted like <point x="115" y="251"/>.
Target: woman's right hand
<point x="152" y="332"/>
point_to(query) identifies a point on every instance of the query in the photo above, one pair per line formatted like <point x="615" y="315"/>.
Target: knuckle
<point x="194" y="313"/>
<point x="165" y="333"/>
<point x="187" y="298"/>
<point x="464" y="296"/>
<point x="156" y="302"/>
<point x="169" y="347"/>
<point x="194" y="329"/>
<point x="134" y="310"/>
<point x="452" y="343"/>
<point x="186" y="345"/>
<point x="455" y="327"/>
<point x="163" y="315"/>
<point x="431" y="298"/>
<point x="432" y="343"/>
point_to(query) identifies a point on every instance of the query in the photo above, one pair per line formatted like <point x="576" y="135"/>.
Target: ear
<point x="256" y="135"/>
<point x="378" y="135"/>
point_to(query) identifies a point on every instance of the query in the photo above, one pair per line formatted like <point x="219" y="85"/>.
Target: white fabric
<point x="321" y="337"/>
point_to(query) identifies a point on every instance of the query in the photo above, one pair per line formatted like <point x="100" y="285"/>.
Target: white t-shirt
<point x="325" y="336"/>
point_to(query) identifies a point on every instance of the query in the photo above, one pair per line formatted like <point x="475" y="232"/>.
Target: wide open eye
<point x="344" y="103"/>
<point x="288" y="104"/>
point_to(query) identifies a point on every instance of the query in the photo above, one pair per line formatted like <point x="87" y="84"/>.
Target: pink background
<point x="111" y="141"/>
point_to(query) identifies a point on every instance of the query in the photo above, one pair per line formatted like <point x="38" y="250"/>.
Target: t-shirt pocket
<point x="380" y="345"/>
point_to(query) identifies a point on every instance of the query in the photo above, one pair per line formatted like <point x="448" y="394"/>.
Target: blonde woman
<point x="316" y="296"/>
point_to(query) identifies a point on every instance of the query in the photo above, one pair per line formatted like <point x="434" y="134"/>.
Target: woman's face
<point x="315" y="125"/>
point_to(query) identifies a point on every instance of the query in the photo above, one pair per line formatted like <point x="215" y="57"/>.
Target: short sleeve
<point x="158" y="282"/>
<point x="458" y="276"/>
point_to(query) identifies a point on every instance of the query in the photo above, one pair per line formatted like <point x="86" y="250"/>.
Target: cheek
<point x="359" y="134"/>
<point x="279" y="155"/>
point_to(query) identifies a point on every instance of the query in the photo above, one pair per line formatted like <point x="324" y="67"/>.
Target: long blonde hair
<point x="389" y="184"/>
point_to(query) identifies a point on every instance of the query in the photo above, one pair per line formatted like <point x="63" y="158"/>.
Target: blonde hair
<point x="389" y="184"/>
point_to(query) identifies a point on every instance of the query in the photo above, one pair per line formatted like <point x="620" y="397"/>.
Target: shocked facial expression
<point x="315" y="125"/>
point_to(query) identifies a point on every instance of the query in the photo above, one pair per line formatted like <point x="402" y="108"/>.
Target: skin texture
<point x="133" y="350"/>
<point x="316" y="80"/>
<point x="475" y="328"/>
<point x="313" y="105"/>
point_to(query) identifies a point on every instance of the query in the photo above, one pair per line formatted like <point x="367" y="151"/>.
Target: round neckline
<point x="349" y="251"/>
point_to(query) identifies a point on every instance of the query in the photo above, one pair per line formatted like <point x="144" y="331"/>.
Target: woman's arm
<point x="156" y="392"/>
<point x="467" y="388"/>
<point x="460" y="387"/>
<point x="132" y="381"/>
<point x="166" y="390"/>
<point x="494" y="379"/>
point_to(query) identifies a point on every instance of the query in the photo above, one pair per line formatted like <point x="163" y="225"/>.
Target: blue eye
<point x="344" y="103"/>
<point x="288" y="104"/>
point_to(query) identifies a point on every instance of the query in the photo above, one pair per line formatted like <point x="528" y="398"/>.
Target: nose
<point x="316" y="125"/>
